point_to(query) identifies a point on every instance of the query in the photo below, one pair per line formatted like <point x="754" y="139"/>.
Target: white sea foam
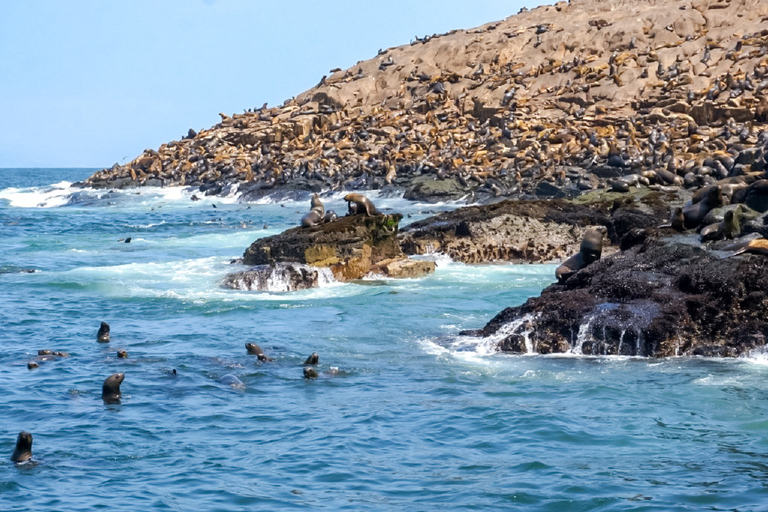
<point x="49" y="196"/>
<point x="196" y="280"/>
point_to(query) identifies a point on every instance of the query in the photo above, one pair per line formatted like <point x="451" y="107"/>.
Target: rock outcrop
<point x="662" y="297"/>
<point x="350" y="247"/>
<point x="538" y="231"/>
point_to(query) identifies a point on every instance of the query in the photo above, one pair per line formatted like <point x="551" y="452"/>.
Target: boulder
<point x="662" y="297"/>
<point x="349" y="246"/>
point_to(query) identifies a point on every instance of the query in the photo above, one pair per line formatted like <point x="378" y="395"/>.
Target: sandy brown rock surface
<point x="549" y="102"/>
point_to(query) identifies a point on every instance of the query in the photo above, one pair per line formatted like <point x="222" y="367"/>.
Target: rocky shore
<point x="645" y="118"/>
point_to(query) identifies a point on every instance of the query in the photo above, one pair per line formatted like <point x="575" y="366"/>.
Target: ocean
<point x="406" y="414"/>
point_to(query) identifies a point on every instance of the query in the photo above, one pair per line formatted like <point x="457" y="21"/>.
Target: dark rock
<point x="661" y="297"/>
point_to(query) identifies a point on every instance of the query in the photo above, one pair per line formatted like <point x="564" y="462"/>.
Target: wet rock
<point x="350" y="246"/>
<point x="661" y="297"/>
<point x="280" y="277"/>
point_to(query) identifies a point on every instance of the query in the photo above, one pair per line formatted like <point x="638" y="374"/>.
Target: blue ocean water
<point x="406" y="415"/>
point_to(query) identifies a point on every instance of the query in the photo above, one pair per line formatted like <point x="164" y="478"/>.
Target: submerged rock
<point x="280" y="277"/>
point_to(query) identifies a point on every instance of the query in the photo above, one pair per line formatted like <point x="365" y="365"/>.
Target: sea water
<point x="406" y="414"/>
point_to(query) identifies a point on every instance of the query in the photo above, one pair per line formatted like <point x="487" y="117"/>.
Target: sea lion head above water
<point x="103" y="335"/>
<point x="110" y="390"/>
<point x="253" y="349"/>
<point x="310" y="373"/>
<point x="23" y="450"/>
<point x="313" y="359"/>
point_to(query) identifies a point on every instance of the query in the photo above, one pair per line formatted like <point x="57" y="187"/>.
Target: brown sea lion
<point x="310" y="373"/>
<point x="676" y="220"/>
<point x="590" y="251"/>
<point x="313" y="359"/>
<point x="362" y="205"/>
<point x="122" y="354"/>
<point x="727" y="228"/>
<point x="110" y="390"/>
<point x="23" y="450"/>
<point x="694" y="213"/>
<point x="103" y="335"/>
<point x="255" y="350"/>
<point x="316" y="213"/>
<point x="752" y="245"/>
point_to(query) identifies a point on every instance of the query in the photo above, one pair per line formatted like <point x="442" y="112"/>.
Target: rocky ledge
<point x="346" y="249"/>
<point x="537" y="231"/>
<point x="663" y="296"/>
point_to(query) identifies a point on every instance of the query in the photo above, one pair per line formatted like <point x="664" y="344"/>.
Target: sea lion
<point x="313" y="359"/>
<point x="255" y="350"/>
<point x="103" y="335"/>
<point x="110" y="390"/>
<point x="122" y="354"/>
<point x="32" y="365"/>
<point x="728" y="228"/>
<point x="753" y="245"/>
<point x="23" y="450"/>
<point x="310" y="373"/>
<point x="330" y="216"/>
<point x="316" y="213"/>
<point x="695" y="213"/>
<point x="589" y="251"/>
<point x="676" y="220"/>
<point x="362" y="205"/>
<point x="232" y="381"/>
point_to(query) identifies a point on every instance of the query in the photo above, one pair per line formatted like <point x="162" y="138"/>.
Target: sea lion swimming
<point x="103" y="335"/>
<point x="232" y="381"/>
<point x="313" y="359"/>
<point x="110" y="390"/>
<point x="362" y="205"/>
<point x="23" y="450"/>
<point x="589" y="251"/>
<point x="255" y="350"/>
<point x="122" y="354"/>
<point x="316" y="213"/>
<point x="310" y="373"/>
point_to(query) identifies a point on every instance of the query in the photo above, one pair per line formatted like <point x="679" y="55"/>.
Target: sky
<point x="90" y="83"/>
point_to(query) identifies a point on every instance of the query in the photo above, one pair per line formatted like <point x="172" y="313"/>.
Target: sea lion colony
<point x="663" y="94"/>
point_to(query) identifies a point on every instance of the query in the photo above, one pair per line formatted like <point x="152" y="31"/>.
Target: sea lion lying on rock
<point x="316" y="213"/>
<point x="590" y="250"/>
<point x="729" y="228"/>
<point x="694" y="213"/>
<point x="362" y="205"/>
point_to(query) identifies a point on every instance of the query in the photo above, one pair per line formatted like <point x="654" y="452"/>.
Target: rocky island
<point x="647" y="119"/>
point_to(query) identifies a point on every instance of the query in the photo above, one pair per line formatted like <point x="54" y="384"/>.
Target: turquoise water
<point x="405" y="416"/>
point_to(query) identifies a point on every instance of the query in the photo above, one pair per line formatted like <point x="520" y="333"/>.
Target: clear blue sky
<point x="87" y="83"/>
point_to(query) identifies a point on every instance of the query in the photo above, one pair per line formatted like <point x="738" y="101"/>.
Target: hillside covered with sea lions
<point x="608" y="114"/>
<point x="547" y="103"/>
